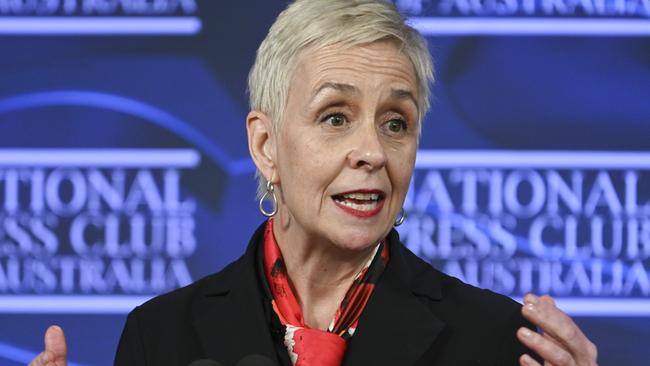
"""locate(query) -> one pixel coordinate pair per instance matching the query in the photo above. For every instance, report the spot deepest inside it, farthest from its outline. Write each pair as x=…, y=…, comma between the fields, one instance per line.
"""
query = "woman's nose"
x=367, y=151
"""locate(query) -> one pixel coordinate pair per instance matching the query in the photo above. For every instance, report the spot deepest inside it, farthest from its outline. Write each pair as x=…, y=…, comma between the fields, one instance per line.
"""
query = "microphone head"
x=256, y=360
x=205, y=363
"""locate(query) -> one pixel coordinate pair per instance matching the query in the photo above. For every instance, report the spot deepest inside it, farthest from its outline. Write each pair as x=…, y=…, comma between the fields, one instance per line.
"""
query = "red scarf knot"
x=314, y=347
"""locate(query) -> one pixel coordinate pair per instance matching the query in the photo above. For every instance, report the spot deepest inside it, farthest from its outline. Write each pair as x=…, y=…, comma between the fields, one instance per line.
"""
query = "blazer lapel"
x=230, y=320
x=396, y=328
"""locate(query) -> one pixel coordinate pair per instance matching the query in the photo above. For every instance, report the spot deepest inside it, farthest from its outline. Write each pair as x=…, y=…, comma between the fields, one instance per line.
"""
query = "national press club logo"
x=528, y=17
x=527, y=8
x=95, y=220
x=100, y=17
x=99, y=207
x=575, y=225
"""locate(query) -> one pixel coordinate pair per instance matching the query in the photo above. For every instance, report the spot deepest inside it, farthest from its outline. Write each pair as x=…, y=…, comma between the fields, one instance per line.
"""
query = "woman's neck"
x=321, y=273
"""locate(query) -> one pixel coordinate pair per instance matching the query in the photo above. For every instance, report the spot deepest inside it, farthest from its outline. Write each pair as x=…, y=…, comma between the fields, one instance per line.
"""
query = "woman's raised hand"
x=561, y=343
x=56, y=349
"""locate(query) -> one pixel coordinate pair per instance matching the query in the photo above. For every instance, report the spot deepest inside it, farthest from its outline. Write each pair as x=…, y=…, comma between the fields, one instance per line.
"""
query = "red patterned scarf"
x=307, y=346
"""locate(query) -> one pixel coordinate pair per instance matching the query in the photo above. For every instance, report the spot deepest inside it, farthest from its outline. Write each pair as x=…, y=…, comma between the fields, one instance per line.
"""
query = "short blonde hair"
x=320, y=23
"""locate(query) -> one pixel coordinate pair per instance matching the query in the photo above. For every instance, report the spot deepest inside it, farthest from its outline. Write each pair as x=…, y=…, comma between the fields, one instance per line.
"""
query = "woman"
x=338, y=91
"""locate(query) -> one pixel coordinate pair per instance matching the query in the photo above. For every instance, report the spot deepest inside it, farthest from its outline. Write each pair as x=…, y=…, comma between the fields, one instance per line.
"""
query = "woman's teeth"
x=362, y=196
x=359, y=201
x=360, y=206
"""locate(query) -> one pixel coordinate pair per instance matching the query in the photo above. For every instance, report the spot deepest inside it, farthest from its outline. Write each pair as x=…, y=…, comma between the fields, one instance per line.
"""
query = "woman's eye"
x=396, y=125
x=335, y=120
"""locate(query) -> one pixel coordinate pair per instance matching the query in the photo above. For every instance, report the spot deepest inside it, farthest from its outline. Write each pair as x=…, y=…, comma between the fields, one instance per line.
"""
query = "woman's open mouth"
x=361, y=203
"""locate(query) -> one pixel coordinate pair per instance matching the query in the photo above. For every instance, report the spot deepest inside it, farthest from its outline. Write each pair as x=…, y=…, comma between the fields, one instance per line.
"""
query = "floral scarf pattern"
x=307, y=346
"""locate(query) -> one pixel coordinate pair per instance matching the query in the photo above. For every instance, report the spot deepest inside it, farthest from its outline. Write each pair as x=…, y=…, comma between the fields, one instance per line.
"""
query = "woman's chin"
x=358, y=240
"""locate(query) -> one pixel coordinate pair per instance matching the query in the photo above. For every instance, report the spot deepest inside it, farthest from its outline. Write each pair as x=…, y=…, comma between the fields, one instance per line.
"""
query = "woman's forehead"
x=345, y=69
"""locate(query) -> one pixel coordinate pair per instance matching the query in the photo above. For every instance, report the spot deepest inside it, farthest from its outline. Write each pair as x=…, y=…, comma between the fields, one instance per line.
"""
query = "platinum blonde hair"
x=311, y=24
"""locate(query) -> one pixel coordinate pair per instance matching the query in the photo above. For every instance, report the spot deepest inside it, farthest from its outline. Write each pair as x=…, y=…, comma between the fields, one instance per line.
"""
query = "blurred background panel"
x=124, y=166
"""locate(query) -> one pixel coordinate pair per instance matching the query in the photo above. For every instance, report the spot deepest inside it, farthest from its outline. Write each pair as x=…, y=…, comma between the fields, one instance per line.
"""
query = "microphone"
x=205, y=362
x=255, y=360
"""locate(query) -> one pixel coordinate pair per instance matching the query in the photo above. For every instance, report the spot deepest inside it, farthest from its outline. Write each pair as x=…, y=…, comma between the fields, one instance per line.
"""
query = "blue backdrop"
x=123, y=157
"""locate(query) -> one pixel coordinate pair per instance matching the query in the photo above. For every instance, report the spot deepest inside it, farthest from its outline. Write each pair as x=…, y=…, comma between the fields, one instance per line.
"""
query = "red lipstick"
x=344, y=201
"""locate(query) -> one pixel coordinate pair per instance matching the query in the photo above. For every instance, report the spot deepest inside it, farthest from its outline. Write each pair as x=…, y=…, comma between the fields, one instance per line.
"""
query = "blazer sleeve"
x=511, y=348
x=130, y=350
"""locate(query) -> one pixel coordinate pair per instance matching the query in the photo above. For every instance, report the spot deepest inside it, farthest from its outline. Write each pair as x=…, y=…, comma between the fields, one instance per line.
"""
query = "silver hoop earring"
x=400, y=219
x=270, y=194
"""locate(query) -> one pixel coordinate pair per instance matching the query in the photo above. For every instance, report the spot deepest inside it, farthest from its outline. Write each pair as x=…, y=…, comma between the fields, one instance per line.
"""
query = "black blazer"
x=416, y=316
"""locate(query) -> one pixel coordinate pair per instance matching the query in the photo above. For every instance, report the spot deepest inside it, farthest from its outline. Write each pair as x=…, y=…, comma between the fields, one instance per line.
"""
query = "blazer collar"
x=231, y=316
x=397, y=327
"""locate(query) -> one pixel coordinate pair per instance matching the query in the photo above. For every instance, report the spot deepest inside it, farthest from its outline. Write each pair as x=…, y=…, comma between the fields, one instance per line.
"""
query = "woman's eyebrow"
x=341, y=87
x=403, y=94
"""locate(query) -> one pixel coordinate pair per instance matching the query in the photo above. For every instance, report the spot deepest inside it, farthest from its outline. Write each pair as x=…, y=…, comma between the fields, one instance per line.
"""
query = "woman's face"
x=346, y=146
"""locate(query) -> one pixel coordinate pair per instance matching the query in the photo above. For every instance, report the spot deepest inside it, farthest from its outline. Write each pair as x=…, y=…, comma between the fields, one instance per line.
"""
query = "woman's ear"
x=261, y=143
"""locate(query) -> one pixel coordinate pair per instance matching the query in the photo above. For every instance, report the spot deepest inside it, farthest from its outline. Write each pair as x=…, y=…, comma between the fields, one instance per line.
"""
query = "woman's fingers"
x=56, y=345
x=563, y=342
x=56, y=349
x=41, y=359
x=543, y=312
x=550, y=351
x=526, y=360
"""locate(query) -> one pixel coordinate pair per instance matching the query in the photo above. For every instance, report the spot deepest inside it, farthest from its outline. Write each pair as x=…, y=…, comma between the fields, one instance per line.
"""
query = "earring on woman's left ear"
x=400, y=218
x=270, y=195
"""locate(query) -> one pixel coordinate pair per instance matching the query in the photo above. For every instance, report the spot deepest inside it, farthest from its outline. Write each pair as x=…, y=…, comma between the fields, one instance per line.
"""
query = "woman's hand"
x=562, y=342
x=56, y=349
